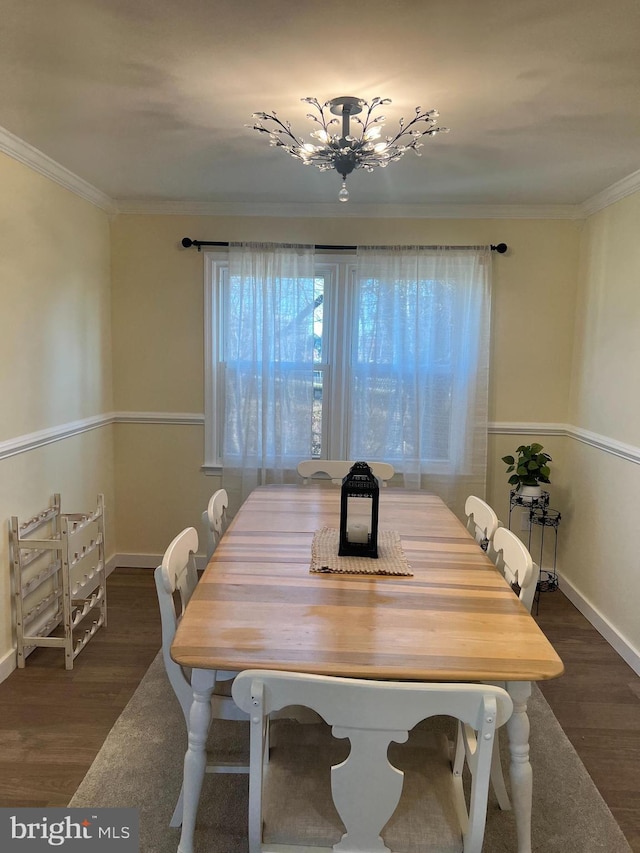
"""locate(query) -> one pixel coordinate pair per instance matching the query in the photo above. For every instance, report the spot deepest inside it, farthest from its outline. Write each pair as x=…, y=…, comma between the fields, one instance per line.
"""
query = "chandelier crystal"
x=338, y=147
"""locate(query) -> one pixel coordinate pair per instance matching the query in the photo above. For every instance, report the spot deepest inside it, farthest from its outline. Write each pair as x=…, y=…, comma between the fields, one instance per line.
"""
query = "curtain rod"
x=187, y=242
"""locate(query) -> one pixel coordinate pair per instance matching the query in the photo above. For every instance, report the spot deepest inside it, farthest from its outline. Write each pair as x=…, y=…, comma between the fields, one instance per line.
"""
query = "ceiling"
x=147, y=100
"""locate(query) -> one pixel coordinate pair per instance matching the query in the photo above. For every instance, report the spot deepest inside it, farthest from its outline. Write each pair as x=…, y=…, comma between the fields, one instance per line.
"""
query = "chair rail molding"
x=33, y=440
x=610, y=445
x=188, y=418
x=527, y=428
x=630, y=452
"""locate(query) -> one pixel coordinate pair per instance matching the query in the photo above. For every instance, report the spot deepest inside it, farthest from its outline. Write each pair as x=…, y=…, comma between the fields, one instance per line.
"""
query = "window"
x=399, y=352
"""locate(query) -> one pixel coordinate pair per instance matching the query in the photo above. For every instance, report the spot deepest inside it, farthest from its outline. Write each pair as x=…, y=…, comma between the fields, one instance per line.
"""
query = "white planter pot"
x=529, y=492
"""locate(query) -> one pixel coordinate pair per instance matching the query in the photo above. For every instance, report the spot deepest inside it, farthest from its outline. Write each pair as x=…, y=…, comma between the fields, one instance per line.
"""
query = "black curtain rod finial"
x=187, y=242
x=501, y=248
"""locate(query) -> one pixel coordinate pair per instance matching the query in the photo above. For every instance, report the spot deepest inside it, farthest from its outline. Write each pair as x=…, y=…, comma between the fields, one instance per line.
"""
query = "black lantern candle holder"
x=359, y=502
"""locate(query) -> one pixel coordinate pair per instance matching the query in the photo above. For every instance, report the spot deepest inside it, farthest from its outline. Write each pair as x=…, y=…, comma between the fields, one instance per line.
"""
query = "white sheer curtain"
x=268, y=365
x=420, y=363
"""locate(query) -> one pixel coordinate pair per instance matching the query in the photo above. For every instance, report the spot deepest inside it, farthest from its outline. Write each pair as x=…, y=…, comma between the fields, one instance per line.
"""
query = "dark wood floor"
x=597, y=702
x=53, y=722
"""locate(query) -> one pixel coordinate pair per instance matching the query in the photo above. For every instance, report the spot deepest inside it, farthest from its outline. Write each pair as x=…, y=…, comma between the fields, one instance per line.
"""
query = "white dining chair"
x=176, y=579
x=215, y=519
x=336, y=469
x=514, y=561
x=361, y=793
x=482, y=522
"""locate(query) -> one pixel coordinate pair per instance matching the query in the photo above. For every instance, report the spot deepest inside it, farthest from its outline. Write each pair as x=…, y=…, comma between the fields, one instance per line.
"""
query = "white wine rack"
x=59, y=579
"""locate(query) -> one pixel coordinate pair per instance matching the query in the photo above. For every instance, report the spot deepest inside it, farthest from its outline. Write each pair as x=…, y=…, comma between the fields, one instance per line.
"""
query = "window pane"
x=318, y=374
x=402, y=371
x=272, y=335
x=318, y=317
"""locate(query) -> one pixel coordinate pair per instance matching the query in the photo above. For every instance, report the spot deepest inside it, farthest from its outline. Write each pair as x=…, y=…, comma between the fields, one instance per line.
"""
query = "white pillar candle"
x=358, y=533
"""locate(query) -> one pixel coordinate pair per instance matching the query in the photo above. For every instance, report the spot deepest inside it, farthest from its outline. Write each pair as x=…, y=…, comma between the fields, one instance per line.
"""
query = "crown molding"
x=20, y=150
x=621, y=189
x=15, y=147
x=361, y=211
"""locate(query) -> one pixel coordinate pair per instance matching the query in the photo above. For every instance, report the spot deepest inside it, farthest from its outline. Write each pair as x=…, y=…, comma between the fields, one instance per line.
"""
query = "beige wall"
x=55, y=351
x=599, y=543
x=565, y=350
x=565, y=312
x=158, y=341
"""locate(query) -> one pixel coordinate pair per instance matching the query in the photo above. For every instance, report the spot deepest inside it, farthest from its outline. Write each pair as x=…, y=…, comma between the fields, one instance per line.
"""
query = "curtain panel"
x=415, y=365
x=268, y=365
x=420, y=366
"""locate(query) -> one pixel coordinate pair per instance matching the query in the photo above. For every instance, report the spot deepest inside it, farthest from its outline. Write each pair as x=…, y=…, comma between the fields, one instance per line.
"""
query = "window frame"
x=215, y=265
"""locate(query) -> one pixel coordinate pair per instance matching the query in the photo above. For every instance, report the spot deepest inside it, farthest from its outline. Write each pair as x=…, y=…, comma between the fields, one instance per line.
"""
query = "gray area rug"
x=140, y=766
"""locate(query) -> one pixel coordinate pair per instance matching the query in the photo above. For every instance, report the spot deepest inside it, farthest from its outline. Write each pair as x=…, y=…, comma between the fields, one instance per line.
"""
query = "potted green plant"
x=529, y=469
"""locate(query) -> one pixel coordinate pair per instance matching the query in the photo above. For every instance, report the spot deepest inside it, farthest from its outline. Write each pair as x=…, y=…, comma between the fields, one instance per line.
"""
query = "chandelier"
x=340, y=148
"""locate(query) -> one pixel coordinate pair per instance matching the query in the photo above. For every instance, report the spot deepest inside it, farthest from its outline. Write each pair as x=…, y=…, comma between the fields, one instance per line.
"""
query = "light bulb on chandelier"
x=343, y=151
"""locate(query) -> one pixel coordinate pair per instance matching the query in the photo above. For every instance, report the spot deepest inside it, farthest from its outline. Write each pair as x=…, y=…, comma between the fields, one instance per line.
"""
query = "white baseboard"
x=7, y=664
x=144, y=561
x=136, y=561
x=621, y=645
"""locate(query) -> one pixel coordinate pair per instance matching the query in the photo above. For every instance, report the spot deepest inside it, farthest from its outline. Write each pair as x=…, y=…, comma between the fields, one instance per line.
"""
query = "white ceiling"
x=148, y=99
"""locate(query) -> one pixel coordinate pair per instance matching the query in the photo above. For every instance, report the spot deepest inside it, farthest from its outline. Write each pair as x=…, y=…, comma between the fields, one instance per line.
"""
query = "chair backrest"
x=371, y=714
x=176, y=578
x=215, y=519
x=515, y=562
x=482, y=522
x=336, y=469
x=494, y=556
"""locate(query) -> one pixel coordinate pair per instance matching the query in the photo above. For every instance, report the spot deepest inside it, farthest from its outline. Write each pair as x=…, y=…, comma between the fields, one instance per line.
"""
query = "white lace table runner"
x=391, y=558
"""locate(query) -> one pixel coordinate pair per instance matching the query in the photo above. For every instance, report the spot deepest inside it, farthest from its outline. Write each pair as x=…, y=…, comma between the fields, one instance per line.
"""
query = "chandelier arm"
x=286, y=128
x=370, y=108
x=405, y=129
x=271, y=131
x=322, y=120
x=325, y=123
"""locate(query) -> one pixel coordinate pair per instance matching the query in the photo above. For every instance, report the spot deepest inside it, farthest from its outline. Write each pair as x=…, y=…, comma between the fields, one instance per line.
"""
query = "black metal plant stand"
x=542, y=516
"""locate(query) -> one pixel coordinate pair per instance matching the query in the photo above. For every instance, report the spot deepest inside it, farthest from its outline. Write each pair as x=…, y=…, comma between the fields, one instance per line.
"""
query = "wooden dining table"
x=455, y=619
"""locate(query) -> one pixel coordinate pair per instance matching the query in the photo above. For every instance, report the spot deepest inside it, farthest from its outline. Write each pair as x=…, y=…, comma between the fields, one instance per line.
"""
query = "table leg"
x=520, y=768
x=195, y=760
